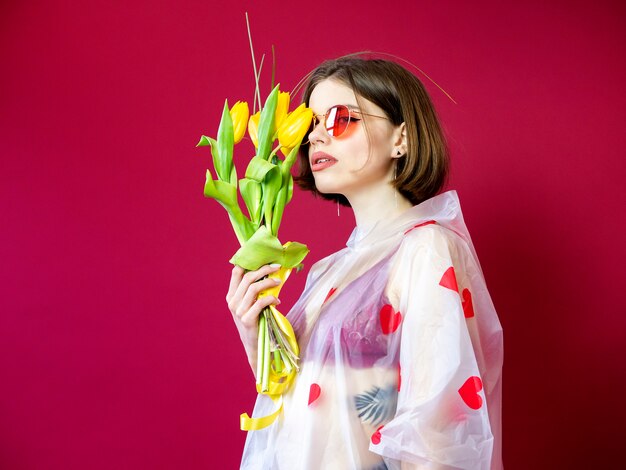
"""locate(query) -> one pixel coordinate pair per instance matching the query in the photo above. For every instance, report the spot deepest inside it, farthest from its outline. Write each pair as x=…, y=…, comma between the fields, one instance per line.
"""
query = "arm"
x=441, y=421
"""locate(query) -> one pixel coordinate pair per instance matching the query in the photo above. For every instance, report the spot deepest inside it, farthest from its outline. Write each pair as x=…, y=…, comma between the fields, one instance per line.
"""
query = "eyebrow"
x=352, y=107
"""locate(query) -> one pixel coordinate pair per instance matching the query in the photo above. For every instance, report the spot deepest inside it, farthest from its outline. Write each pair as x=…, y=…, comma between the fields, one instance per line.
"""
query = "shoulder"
x=430, y=251
x=433, y=253
x=433, y=239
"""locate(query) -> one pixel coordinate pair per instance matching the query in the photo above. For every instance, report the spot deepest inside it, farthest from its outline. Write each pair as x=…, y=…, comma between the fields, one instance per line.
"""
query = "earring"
x=399, y=153
x=395, y=177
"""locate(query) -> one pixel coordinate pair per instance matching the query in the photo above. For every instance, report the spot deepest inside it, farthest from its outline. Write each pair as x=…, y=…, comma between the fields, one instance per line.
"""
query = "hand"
x=245, y=306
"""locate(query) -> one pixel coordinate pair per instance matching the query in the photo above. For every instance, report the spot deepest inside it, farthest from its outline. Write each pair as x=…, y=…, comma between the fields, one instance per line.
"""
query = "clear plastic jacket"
x=401, y=355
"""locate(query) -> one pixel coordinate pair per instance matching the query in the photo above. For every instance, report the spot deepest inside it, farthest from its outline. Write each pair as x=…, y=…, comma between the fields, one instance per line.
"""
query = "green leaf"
x=264, y=248
x=226, y=194
x=258, y=168
x=241, y=225
x=233, y=176
x=271, y=185
x=286, y=171
x=267, y=126
x=204, y=141
x=279, y=208
x=289, y=190
x=252, y=193
x=290, y=159
x=293, y=254
x=225, y=144
x=223, y=192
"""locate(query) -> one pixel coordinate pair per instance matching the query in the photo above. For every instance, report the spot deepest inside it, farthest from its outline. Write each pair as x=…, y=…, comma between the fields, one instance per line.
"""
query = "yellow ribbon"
x=279, y=382
x=254, y=424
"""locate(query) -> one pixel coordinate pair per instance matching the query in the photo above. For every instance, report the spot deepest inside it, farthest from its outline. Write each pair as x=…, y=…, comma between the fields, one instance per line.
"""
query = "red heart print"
x=314, y=392
x=468, y=307
x=469, y=392
x=330, y=294
x=420, y=225
x=448, y=279
x=376, y=436
x=389, y=319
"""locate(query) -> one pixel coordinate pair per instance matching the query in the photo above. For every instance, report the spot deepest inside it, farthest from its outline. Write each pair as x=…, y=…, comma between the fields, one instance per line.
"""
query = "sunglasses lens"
x=337, y=120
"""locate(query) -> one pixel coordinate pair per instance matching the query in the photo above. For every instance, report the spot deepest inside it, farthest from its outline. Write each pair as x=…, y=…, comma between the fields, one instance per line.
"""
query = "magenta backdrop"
x=116, y=347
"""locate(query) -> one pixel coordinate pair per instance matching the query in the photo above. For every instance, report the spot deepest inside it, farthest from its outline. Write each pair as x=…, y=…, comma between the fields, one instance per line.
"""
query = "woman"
x=401, y=348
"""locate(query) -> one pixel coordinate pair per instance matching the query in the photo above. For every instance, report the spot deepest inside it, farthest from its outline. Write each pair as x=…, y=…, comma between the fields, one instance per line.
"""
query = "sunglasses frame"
x=317, y=119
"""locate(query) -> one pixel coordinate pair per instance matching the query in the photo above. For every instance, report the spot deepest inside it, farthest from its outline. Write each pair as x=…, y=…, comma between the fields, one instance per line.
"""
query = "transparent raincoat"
x=401, y=355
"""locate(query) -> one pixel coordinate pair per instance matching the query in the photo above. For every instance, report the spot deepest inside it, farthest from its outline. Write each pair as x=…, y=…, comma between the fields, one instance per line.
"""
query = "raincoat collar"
x=444, y=209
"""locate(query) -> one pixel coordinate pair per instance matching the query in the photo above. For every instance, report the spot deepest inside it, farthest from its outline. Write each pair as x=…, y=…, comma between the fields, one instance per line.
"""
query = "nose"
x=318, y=135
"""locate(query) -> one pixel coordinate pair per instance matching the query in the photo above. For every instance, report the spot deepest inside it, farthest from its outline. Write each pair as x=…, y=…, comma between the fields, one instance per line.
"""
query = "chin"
x=326, y=187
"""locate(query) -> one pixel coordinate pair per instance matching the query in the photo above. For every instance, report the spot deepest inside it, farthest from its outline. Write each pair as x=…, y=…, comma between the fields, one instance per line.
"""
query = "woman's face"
x=351, y=164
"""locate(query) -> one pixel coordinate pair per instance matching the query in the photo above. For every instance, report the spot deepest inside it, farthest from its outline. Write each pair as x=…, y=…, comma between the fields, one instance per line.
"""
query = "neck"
x=384, y=202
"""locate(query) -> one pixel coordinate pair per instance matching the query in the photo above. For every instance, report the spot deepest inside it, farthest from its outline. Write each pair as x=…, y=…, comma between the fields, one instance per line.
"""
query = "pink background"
x=116, y=347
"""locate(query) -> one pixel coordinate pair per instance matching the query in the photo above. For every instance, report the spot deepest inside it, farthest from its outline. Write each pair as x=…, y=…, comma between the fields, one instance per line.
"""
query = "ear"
x=399, y=142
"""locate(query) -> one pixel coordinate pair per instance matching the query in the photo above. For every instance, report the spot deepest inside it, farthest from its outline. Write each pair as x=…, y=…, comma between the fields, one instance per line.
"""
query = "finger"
x=253, y=276
x=235, y=280
x=250, y=318
x=253, y=291
x=242, y=302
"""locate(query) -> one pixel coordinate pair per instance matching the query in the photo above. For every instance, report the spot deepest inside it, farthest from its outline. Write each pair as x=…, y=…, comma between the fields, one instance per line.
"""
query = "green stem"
x=266, y=358
x=241, y=224
x=280, y=340
x=277, y=361
x=260, y=350
x=274, y=150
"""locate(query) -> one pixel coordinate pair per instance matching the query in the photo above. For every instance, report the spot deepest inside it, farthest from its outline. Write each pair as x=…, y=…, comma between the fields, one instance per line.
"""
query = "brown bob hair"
x=423, y=171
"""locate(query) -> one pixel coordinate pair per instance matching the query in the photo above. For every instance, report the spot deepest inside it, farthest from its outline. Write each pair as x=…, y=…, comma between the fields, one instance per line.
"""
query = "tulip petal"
x=295, y=126
x=253, y=128
x=239, y=114
x=282, y=107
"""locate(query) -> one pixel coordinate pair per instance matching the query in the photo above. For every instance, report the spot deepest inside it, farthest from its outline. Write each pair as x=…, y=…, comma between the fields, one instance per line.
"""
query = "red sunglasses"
x=338, y=119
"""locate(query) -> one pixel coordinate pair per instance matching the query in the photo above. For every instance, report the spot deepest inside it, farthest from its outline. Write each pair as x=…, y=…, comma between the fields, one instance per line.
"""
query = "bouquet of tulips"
x=266, y=188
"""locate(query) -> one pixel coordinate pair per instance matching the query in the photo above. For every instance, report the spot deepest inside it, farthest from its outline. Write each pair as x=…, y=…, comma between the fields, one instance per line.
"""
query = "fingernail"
x=277, y=281
x=274, y=265
x=277, y=301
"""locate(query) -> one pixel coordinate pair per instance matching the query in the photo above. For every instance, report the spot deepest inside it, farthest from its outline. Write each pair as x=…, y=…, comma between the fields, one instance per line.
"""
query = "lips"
x=320, y=160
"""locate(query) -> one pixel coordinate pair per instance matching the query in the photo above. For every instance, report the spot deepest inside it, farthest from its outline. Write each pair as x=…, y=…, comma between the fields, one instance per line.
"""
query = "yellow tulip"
x=282, y=107
x=239, y=114
x=295, y=125
x=253, y=127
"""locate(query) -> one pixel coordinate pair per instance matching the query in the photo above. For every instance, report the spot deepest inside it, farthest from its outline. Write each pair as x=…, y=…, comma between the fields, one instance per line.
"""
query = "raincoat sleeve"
x=442, y=420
